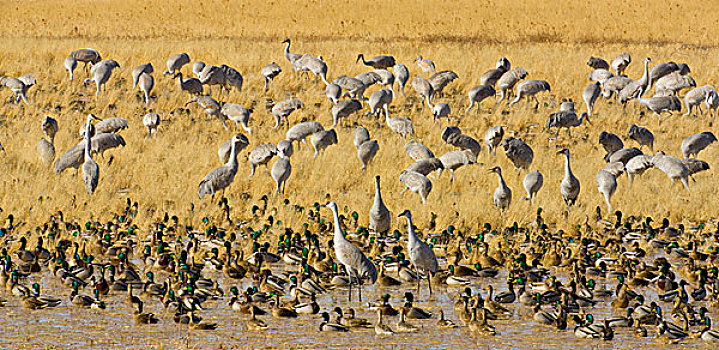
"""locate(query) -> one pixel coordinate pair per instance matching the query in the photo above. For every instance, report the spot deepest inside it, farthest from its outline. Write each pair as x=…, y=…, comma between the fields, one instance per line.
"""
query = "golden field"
x=551, y=40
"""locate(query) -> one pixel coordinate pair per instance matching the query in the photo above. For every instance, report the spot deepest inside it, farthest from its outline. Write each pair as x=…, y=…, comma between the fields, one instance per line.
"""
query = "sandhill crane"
x=453, y=160
x=636, y=88
x=72, y=158
x=532, y=183
x=344, y=109
x=694, y=144
x=146, y=83
x=366, y=151
x=291, y=57
x=623, y=155
x=597, y=63
x=86, y=56
x=368, y=78
x=638, y=165
x=283, y=109
x=333, y=92
x=212, y=75
x=360, y=135
x=425, y=65
x=600, y=75
x=673, y=83
x=567, y=120
x=401, y=74
x=506, y=83
x=300, y=131
x=712, y=102
x=477, y=94
x=90, y=169
x=569, y=187
x=518, y=152
x=616, y=169
x=672, y=167
x=192, y=86
x=377, y=62
x=211, y=107
x=269, y=72
x=502, y=194
x=424, y=89
x=386, y=79
x=355, y=88
x=46, y=151
x=176, y=62
x=49, y=128
x=491, y=76
x=18, y=86
x=417, y=183
x=100, y=74
x=417, y=151
x=197, y=68
x=590, y=95
x=464, y=142
x=621, y=62
x=285, y=149
x=241, y=142
x=323, y=139
x=110, y=125
x=614, y=85
x=426, y=166
x=350, y=256
x=313, y=64
x=440, y=80
x=137, y=71
x=420, y=254
x=695, y=165
x=449, y=130
x=261, y=155
x=606, y=185
x=399, y=125
x=530, y=88
x=660, y=70
x=105, y=141
x=377, y=101
x=439, y=111
x=233, y=78
x=220, y=178
x=695, y=97
x=238, y=114
x=380, y=218
x=642, y=136
x=281, y=171
x=493, y=138
x=610, y=142
x=151, y=122
x=70, y=65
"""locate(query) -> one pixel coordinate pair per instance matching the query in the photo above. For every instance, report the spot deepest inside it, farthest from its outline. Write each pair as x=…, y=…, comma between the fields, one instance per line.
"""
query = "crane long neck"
x=287, y=49
x=362, y=58
x=87, y=139
x=377, y=193
x=567, y=167
x=232, y=162
x=338, y=237
x=412, y=237
x=645, y=77
x=501, y=180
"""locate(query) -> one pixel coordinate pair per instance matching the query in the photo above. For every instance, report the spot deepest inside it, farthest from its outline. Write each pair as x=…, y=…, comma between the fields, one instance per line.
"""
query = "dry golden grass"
x=552, y=41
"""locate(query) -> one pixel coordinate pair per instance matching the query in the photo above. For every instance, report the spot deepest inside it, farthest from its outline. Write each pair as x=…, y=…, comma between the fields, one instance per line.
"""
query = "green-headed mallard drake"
x=308, y=308
x=706, y=333
x=50, y=301
x=412, y=312
x=327, y=326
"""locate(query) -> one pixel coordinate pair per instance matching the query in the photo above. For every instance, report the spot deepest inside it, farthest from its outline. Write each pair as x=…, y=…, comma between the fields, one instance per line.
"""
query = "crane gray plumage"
x=241, y=142
x=449, y=130
x=313, y=64
x=518, y=152
x=616, y=169
x=565, y=119
x=100, y=73
x=109, y=125
x=610, y=142
x=105, y=141
x=380, y=219
x=420, y=254
x=386, y=79
x=636, y=166
x=146, y=83
x=590, y=95
x=211, y=107
x=18, y=87
x=600, y=75
x=283, y=109
x=349, y=255
x=376, y=102
x=354, y=87
x=323, y=139
x=401, y=74
x=491, y=76
x=360, y=135
x=88, y=55
x=238, y=114
x=151, y=121
x=493, y=138
x=417, y=151
x=642, y=136
x=621, y=62
x=399, y=125
x=424, y=89
x=46, y=151
x=261, y=155
x=694, y=98
x=70, y=65
x=425, y=166
x=137, y=71
x=693, y=144
x=465, y=142
x=269, y=72
x=477, y=94
x=291, y=57
x=281, y=171
x=440, y=80
x=453, y=160
x=72, y=158
x=695, y=165
x=197, y=68
x=377, y=62
x=90, y=169
x=439, y=111
x=614, y=85
x=636, y=88
x=344, y=109
x=192, y=86
x=532, y=183
x=508, y=80
x=233, y=78
x=333, y=92
x=530, y=88
x=569, y=187
x=672, y=167
x=606, y=185
x=597, y=63
x=212, y=75
x=367, y=151
x=368, y=78
x=566, y=106
x=285, y=149
x=711, y=101
x=673, y=83
x=300, y=131
x=220, y=178
x=623, y=155
x=176, y=62
x=425, y=65
x=49, y=128
x=660, y=70
x=502, y=194
x=417, y=183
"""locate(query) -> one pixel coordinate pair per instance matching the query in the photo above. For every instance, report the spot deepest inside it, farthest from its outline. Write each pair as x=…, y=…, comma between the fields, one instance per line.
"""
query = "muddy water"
x=71, y=327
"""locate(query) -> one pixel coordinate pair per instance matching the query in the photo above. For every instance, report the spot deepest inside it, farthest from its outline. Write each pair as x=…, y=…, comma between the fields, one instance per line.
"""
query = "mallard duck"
x=144, y=317
x=668, y=334
x=583, y=332
x=639, y=331
x=412, y=312
x=385, y=307
x=386, y=281
x=283, y=312
x=707, y=334
x=49, y=301
x=444, y=323
x=543, y=317
x=493, y=306
x=381, y=328
x=622, y=321
x=507, y=297
x=478, y=324
x=254, y=324
x=32, y=303
x=403, y=326
x=327, y=326
x=194, y=324
x=308, y=308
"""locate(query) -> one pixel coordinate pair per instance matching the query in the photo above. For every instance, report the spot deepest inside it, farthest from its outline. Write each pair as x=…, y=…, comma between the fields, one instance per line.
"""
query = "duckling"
x=412, y=312
x=144, y=318
x=444, y=323
x=404, y=326
x=327, y=326
x=254, y=324
x=381, y=328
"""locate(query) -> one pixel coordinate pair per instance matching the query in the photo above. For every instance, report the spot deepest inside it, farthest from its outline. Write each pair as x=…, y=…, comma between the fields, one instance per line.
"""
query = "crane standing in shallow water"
x=420, y=253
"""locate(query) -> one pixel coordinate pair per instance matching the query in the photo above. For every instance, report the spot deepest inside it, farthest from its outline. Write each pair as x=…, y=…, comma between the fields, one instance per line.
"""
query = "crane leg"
x=418, y=278
x=429, y=282
x=349, y=276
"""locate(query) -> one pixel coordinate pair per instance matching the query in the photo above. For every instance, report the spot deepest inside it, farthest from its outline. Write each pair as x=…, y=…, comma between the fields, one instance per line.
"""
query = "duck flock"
x=660, y=280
